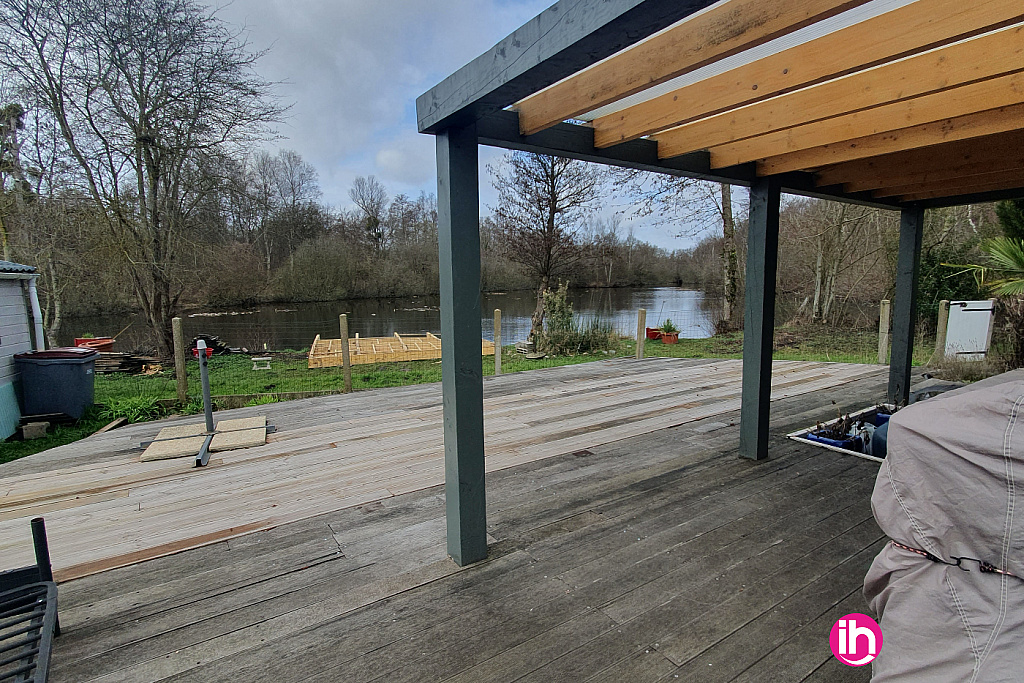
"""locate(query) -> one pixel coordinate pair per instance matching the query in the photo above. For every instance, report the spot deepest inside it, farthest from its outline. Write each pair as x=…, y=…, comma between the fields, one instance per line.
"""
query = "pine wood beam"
x=890, y=169
x=722, y=30
x=912, y=28
x=1009, y=182
x=932, y=119
x=894, y=186
x=983, y=179
x=567, y=37
x=983, y=57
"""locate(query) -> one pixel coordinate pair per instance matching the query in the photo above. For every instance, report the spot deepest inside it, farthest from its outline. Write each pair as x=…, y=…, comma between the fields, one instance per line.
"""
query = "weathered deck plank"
x=116, y=511
x=643, y=559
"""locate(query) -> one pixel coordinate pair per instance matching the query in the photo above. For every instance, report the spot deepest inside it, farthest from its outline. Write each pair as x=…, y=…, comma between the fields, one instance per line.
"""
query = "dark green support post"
x=904, y=310
x=759, y=317
x=458, y=222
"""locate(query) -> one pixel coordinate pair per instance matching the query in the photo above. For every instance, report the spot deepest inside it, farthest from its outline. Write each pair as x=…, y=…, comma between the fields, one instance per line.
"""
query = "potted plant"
x=669, y=332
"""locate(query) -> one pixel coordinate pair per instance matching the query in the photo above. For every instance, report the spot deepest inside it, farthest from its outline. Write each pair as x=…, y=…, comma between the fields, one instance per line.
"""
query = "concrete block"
x=34, y=430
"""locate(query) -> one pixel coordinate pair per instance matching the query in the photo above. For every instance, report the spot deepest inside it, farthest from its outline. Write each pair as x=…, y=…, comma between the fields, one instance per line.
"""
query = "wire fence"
x=269, y=361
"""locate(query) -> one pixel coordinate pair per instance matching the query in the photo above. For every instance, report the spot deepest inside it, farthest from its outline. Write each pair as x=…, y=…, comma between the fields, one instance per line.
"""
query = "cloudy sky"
x=352, y=69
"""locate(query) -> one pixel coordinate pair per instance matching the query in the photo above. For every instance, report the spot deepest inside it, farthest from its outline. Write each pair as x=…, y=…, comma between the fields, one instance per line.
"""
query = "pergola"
x=897, y=104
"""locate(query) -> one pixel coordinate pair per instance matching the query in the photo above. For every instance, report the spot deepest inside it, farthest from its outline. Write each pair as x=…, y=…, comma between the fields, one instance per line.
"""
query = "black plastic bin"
x=57, y=381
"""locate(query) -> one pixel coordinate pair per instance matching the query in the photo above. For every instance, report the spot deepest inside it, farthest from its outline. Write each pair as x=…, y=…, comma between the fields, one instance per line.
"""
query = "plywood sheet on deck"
x=176, y=442
x=348, y=450
x=243, y=432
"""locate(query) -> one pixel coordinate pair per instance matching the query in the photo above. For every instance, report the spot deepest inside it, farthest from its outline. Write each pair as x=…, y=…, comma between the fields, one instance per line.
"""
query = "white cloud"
x=352, y=70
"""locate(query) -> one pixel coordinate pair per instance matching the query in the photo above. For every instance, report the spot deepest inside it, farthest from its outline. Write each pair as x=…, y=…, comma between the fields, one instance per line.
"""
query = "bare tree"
x=372, y=199
x=145, y=93
x=543, y=201
x=298, y=216
x=695, y=206
x=15, y=187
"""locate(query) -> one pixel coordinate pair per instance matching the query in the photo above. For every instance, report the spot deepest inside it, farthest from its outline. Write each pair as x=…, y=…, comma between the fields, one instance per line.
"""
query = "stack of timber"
x=326, y=353
x=109, y=362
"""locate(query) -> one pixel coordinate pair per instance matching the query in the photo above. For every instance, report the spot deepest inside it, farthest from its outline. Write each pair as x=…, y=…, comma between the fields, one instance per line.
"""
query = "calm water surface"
x=294, y=325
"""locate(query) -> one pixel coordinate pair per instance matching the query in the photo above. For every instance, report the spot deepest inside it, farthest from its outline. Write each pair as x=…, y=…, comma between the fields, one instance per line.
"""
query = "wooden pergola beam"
x=973, y=198
x=932, y=119
x=893, y=187
x=921, y=25
x=984, y=179
x=567, y=37
x=501, y=129
x=982, y=57
x=961, y=157
x=1009, y=182
x=723, y=30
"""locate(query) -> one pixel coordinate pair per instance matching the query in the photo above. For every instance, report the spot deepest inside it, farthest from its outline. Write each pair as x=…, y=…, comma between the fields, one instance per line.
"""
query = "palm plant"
x=1003, y=275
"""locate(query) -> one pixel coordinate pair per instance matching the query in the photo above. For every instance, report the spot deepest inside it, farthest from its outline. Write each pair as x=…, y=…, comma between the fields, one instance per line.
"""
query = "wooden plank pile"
x=327, y=353
x=110, y=362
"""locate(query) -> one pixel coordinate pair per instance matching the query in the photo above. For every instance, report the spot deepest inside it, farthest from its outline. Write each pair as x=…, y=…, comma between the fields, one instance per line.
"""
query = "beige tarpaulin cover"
x=952, y=484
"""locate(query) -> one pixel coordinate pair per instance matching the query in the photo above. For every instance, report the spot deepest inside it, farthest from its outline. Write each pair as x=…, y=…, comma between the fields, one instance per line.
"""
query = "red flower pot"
x=669, y=337
x=653, y=333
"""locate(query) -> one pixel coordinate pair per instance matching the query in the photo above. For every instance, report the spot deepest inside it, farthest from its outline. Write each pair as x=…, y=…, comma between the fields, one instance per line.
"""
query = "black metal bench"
x=28, y=620
x=28, y=615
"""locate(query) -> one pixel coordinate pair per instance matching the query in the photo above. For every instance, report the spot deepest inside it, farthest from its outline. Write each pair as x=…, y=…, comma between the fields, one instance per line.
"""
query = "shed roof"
x=889, y=102
x=11, y=267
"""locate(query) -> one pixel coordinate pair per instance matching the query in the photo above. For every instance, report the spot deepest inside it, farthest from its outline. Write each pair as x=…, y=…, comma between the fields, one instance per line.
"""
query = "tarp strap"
x=983, y=566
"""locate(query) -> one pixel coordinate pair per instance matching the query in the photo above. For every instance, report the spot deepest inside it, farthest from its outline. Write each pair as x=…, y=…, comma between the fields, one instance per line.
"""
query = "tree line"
x=128, y=177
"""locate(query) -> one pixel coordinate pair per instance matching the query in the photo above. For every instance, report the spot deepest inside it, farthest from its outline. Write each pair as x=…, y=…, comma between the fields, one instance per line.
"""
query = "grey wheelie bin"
x=57, y=381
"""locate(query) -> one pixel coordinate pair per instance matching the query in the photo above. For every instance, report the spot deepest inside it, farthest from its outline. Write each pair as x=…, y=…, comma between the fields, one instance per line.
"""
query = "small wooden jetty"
x=326, y=353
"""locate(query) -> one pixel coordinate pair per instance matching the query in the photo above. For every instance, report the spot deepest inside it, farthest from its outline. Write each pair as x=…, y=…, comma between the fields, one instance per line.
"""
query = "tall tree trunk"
x=537, y=320
x=819, y=275
x=55, y=310
x=730, y=259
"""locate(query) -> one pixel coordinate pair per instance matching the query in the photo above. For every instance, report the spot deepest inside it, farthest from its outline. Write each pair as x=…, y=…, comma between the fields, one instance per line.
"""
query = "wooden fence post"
x=346, y=363
x=497, y=341
x=940, y=333
x=641, y=332
x=884, y=313
x=179, y=360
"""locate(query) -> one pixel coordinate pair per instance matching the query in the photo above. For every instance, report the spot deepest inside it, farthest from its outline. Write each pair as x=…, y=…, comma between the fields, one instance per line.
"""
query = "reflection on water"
x=294, y=325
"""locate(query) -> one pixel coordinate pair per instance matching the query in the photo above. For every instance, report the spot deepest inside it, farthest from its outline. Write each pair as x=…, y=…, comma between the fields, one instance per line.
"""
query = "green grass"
x=58, y=436
x=134, y=396
x=809, y=343
x=233, y=375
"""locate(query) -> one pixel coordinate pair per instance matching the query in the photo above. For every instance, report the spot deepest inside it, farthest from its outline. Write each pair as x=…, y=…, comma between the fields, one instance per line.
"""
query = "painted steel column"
x=759, y=317
x=904, y=315
x=458, y=225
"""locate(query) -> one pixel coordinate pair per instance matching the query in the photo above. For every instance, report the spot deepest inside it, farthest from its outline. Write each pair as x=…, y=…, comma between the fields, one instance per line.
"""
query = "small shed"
x=21, y=330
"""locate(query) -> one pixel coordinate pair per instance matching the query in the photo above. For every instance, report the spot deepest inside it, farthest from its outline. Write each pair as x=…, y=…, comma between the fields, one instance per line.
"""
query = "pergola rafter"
x=896, y=83
x=899, y=104
x=885, y=38
x=723, y=30
x=892, y=138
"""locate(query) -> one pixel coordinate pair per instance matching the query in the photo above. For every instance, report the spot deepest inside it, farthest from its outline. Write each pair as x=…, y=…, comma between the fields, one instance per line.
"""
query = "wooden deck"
x=105, y=508
x=657, y=557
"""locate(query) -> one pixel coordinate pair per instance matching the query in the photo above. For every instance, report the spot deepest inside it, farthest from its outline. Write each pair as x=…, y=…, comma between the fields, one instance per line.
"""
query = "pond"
x=281, y=326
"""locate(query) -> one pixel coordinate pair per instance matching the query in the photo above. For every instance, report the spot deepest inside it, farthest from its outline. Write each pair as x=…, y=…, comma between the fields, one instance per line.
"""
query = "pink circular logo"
x=856, y=639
